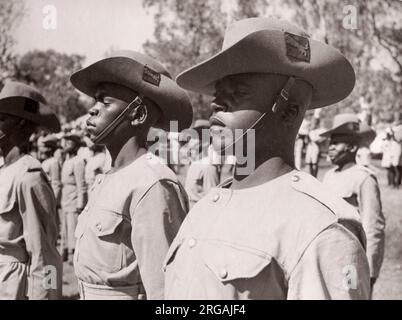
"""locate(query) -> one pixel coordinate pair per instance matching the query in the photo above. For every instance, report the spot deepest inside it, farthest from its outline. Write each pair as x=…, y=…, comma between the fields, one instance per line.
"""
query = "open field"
x=389, y=284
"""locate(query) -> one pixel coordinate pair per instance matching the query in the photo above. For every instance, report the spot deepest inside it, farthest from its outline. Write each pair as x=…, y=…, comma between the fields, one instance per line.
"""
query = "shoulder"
x=312, y=191
x=156, y=169
x=31, y=172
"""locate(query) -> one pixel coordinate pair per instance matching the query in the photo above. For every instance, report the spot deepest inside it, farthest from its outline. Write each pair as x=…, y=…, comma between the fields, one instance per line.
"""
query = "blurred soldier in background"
x=357, y=185
x=52, y=165
x=73, y=195
x=28, y=229
x=203, y=173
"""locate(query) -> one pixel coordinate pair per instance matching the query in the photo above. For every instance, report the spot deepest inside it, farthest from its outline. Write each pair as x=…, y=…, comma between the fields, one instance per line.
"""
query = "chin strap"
x=111, y=126
x=282, y=97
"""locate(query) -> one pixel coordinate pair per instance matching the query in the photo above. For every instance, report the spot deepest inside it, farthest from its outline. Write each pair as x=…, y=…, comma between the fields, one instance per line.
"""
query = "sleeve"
x=334, y=266
x=373, y=222
x=55, y=178
x=79, y=174
x=155, y=222
x=38, y=211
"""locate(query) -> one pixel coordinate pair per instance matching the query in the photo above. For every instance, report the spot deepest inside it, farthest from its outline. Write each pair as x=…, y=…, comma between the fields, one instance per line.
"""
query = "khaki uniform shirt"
x=279, y=240
x=359, y=187
x=28, y=233
x=74, y=191
x=52, y=169
x=124, y=232
x=201, y=177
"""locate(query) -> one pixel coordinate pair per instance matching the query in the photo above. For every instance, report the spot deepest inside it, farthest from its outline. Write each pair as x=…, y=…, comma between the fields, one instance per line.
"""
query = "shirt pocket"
x=101, y=243
x=233, y=263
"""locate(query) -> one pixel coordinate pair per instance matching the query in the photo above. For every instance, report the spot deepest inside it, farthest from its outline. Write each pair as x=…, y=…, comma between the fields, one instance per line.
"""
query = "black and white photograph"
x=188, y=151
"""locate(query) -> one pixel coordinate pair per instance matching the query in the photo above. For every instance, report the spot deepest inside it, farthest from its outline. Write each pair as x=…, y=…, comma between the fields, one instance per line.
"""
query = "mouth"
x=216, y=124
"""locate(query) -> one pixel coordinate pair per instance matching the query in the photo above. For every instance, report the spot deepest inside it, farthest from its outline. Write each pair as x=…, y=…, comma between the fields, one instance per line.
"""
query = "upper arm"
x=334, y=266
x=156, y=220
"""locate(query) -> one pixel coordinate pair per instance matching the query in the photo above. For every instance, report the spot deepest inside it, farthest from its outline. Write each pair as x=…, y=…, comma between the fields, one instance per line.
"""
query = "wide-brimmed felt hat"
x=50, y=141
x=24, y=101
x=143, y=75
x=348, y=124
x=267, y=45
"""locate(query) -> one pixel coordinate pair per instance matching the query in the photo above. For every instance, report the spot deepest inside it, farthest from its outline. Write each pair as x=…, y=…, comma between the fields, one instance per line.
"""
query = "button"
x=192, y=242
x=295, y=178
x=99, y=226
x=223, y=273
x=216, y=197
x=86, y=209
x=99, y=181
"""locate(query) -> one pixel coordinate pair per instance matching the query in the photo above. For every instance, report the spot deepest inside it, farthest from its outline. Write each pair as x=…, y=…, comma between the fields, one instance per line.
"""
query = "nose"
x=94, y=111
x=217, y=107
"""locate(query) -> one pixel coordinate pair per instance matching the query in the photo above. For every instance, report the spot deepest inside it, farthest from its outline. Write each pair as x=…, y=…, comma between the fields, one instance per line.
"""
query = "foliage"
x=11, y=12
x=50, y=72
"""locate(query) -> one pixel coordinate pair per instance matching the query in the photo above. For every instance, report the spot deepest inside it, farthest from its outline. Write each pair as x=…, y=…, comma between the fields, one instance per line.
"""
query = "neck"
x=267, y=168
x=125, y=154
x=11, y=154
x=345, y=165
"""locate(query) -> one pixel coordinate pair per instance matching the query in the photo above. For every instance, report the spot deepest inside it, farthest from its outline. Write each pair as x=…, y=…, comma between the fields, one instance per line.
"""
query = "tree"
x=50, y=72
x=11, y=12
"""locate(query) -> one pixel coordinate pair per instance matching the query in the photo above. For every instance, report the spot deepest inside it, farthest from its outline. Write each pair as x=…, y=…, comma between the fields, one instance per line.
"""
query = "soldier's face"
x=340, y=150
x=111, y=100
x=8, y=125
x=240, y=100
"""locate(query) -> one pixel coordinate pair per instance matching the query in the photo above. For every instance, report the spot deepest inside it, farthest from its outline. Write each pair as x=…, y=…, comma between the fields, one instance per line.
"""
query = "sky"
x=87, y=27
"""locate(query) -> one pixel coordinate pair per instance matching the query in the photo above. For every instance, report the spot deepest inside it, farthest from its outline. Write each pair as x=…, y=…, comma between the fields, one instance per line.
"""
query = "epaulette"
x=346, y=214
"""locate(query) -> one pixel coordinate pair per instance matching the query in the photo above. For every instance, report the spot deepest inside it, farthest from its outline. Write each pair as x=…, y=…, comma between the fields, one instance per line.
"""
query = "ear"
x=290, y=113
x=353, y=147
x=21, y=123
x=139, y=115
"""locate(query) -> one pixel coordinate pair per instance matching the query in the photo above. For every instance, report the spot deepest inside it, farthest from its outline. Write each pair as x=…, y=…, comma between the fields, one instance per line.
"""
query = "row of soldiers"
x=270, y=231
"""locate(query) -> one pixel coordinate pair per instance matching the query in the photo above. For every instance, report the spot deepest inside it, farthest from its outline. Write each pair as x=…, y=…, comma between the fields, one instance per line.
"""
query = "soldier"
x=30, y=266
x=74, y=193
x=52, y=166
x=135, y=209
x=203, y=173
x=357, y=185
x=272, y=232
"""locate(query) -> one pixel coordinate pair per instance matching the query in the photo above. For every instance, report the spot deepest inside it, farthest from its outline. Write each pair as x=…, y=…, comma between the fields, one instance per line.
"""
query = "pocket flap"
x=229, y=262
x=105, y=223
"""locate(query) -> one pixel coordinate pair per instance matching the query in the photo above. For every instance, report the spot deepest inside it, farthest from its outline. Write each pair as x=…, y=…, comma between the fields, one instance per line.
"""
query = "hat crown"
x=14, y=89
x=345, y=119
x=241, y=29
x=143, y=59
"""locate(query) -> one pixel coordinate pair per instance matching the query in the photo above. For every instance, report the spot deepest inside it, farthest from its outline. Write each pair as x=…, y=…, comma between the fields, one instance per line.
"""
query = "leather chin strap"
x=111, y=126
x=282, y=97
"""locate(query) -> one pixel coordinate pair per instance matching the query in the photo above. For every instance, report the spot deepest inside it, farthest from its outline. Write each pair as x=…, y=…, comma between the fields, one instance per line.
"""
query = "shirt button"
x=295, y=178
x=223, y=273
x=192, y=242
x=216, y=197
x=99, y=226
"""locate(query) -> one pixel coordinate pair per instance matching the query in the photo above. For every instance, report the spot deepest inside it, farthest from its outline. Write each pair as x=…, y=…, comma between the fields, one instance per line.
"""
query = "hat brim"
x=365, y=136
x=174, y=102
x=328, y=71
x=45, y=118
